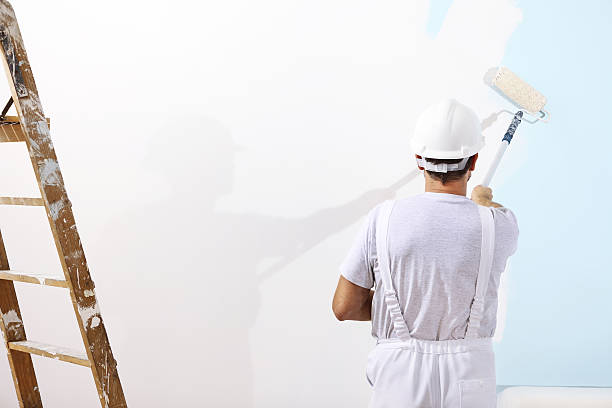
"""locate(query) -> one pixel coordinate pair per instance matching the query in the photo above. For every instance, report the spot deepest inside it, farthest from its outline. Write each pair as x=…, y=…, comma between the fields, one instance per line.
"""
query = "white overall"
x=405, y=372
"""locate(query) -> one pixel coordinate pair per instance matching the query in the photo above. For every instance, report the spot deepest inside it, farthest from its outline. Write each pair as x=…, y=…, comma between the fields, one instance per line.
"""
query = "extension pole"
x=502, y=148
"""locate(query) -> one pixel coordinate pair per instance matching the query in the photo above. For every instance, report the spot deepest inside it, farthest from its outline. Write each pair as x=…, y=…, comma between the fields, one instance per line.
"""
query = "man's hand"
x=484, y=196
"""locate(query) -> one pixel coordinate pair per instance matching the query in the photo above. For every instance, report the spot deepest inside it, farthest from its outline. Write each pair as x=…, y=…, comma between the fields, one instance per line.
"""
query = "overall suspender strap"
x=384, y=267
x=487, y=248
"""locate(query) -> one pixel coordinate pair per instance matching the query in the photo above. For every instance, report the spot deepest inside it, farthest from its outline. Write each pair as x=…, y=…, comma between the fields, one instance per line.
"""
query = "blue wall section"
x=437, y=13
x=559, y=324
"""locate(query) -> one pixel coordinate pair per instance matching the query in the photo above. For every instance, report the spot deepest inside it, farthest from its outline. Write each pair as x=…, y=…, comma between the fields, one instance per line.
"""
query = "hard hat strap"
x=442, y=167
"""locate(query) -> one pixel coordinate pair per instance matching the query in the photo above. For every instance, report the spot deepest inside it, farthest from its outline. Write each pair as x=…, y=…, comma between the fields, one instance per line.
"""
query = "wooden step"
x=37, y=201
x=50, y=351
x=34, y=278
x=11, y=131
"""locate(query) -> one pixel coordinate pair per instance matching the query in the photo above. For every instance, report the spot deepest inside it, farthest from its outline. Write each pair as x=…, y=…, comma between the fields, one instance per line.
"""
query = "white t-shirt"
x=434, y=249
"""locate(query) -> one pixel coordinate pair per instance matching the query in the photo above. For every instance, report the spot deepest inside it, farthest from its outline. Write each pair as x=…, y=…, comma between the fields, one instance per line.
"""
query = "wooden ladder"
x=32, y=127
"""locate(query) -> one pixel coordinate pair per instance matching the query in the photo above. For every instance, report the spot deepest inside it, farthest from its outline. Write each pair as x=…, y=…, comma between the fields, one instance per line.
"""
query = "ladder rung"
x=48, y=350
x=12, y=131
x=21, y=201
x=34, y=278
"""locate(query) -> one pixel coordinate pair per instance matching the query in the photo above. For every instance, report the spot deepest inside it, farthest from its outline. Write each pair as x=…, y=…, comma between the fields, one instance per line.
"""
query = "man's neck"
x=458, y=187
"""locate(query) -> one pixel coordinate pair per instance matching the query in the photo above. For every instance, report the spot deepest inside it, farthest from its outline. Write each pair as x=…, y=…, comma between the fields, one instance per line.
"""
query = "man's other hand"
x=482, y=195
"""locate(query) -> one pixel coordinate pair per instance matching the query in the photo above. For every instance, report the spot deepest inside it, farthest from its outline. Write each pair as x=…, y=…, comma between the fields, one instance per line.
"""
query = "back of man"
x=434, y=261
x=434, y=251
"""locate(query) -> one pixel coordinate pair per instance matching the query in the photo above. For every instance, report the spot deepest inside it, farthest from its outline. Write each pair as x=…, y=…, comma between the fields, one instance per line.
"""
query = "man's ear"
x=419, y=157
x=473, y=166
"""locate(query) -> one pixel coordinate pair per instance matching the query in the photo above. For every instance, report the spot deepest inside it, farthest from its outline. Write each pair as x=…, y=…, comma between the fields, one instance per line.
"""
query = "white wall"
x=215, y=268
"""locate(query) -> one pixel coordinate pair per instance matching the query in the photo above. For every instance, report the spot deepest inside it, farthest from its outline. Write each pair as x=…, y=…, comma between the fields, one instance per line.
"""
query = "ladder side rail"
x=11, y=323
x=59, y=211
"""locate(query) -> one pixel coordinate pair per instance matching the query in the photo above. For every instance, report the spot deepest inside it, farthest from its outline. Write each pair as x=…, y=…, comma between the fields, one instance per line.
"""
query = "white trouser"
x=432, y=374
x=405, y=372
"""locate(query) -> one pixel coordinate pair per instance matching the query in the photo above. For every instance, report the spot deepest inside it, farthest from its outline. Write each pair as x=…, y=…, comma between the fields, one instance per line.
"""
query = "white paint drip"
x=42, y=126
x=55, y=208
x=95, y=322
x=11, y=317
x=31, y=105
x=34, y=148
x=87, y=314
x=107, y=383
x=49, y=172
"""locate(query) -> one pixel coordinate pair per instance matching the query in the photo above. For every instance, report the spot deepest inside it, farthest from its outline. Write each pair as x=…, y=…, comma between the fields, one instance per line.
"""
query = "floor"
x=557, y=397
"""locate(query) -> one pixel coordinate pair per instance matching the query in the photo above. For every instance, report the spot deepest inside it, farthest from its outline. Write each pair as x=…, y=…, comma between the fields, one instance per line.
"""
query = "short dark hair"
x=451, y=175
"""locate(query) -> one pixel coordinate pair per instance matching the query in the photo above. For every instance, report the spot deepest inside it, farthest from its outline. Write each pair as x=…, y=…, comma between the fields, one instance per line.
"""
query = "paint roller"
x=528, y=100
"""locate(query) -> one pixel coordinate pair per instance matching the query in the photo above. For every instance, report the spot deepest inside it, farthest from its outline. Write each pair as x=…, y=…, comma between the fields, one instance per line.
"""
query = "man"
x=434, y=306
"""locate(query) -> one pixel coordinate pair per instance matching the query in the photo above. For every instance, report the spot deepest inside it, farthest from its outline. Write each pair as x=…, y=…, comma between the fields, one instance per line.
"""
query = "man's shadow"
x=187, y=273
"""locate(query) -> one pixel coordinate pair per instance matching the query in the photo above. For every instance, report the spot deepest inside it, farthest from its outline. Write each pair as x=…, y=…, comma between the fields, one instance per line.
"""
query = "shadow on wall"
x=186, y=273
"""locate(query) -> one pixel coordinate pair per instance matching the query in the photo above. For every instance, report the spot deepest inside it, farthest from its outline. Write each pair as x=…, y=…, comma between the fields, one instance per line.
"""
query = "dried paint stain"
x=49, y=172
x=55, y=208
x=95, y=322
x=88, y=313
x=11, y=317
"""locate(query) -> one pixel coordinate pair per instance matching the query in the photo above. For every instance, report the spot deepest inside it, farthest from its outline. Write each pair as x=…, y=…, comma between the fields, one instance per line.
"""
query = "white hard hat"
x=447, y=130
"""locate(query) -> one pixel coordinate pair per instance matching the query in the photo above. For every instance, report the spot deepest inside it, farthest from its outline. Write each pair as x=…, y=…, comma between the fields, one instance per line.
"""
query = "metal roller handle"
x=518, y=116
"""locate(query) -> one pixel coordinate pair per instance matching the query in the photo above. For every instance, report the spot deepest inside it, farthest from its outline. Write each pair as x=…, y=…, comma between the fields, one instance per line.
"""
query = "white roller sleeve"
x=498, y=156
